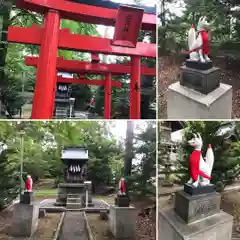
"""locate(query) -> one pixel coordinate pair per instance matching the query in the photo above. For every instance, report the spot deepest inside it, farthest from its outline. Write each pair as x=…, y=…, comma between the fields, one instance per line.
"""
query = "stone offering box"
x=71, y=192
x=196, y=215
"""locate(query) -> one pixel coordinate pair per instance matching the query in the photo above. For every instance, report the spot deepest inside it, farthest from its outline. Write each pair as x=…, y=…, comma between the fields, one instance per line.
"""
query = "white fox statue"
x=200, y=169
x=199, y=47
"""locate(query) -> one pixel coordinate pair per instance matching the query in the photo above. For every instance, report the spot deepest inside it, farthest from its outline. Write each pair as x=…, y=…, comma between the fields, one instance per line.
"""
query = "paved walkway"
x=73, y=227
x=49, y=202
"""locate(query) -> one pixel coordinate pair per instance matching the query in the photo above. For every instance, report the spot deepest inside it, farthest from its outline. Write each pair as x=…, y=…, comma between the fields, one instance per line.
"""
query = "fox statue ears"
x=202, y=19
x=202, y=23
x=197, y=136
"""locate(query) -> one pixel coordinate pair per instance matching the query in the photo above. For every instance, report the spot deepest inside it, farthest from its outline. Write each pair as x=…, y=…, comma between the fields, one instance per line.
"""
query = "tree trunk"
x=128, y=149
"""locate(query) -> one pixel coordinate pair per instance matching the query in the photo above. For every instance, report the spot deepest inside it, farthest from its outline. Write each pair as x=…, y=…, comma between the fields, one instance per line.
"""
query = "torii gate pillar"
x=135, y=97
x=46, y=70
x=107, y=97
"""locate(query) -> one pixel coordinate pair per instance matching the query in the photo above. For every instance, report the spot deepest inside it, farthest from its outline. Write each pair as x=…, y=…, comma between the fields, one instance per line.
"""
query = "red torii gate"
x=94, y=67
x=81, y=68
x=50, y=38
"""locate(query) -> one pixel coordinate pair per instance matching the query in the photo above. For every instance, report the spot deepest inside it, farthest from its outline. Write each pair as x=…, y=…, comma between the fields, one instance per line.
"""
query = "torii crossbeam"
x=80, y=67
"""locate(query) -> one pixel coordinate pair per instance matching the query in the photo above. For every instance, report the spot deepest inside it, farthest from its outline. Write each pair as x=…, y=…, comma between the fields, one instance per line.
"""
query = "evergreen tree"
x=226, y=153
x=9, y=187
x=144, y=172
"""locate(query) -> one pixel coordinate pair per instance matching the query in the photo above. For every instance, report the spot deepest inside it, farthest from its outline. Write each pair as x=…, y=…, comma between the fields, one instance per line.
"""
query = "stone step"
x=74, y=206
x=74, y=195
x=74, y=200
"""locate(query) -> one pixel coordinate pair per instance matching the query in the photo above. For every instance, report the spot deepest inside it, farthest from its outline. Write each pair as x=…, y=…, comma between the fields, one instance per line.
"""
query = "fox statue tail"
x=191, y=37
x=209, y=157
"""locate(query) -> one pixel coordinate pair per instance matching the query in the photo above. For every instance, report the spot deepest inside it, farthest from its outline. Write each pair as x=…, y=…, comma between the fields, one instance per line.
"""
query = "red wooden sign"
x=128, y=25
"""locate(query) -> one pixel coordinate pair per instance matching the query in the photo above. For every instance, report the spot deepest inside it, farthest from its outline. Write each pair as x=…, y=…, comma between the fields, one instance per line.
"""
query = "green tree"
x=144, y=170
x=9, y=181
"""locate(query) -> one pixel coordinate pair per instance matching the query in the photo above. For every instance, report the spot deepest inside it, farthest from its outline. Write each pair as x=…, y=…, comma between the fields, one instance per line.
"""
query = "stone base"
x=190, y=189
x=193, y=208
x=25, y=220
x=122, y=222
x=203, y=81
x=185, y=103
x=216, y=227
x=198, y=65
x=69, y=190
x=122, y=201
x=26, y=198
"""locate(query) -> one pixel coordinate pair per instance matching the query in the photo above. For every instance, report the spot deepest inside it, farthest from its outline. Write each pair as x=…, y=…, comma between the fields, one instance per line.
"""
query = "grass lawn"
x=46, y=193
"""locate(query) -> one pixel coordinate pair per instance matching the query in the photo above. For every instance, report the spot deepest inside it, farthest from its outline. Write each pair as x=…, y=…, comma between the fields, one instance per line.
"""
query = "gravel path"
x=73, y=227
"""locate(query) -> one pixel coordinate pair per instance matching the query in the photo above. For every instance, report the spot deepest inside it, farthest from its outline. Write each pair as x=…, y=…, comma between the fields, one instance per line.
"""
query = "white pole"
x=70, y=114
x=86, y=197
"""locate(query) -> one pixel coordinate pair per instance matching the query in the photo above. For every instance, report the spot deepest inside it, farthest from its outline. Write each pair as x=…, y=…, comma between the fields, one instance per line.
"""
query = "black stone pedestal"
x=26, y=198
x=203, y=81
x=122, y=201
x=198, y=65
x=196, y=207
x=188, y=188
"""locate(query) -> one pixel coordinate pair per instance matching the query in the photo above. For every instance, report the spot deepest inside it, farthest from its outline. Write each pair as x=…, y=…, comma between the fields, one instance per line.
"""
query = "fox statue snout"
x=200, y=169
x=196, y=141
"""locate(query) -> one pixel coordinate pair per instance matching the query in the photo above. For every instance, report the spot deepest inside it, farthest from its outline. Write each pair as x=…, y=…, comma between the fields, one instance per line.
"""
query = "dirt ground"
x=146, y=223
x=169, y=72
x=231, y=204
x=46, y=226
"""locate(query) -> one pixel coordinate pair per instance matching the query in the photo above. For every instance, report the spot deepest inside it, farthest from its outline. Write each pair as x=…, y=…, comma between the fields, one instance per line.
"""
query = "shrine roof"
x=74, y=154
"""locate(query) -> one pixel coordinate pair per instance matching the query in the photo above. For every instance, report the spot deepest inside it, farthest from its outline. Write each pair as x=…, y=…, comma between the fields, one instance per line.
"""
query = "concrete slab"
x=185, y=103
x=215, y=227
